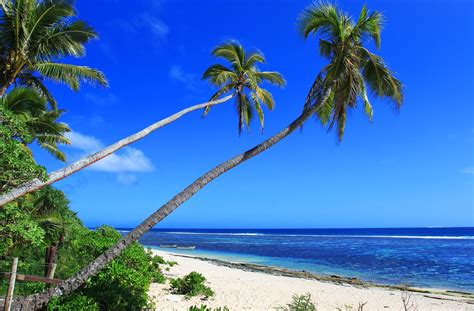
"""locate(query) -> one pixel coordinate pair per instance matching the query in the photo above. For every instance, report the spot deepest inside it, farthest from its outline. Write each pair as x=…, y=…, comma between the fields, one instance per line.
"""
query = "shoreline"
x=222, y=272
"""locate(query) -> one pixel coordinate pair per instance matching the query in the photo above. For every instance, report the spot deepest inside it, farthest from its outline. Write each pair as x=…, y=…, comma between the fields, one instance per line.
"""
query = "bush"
x=191, y=285
x=206, y=308
x=301, y=303
x=172, y=263
x=73, y=303
x=121, y=285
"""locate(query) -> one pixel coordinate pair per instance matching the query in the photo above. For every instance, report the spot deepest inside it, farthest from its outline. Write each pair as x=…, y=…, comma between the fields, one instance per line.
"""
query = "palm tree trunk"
x=37, y=184
x=9, y=81
x=4, y=87
x=68, y=286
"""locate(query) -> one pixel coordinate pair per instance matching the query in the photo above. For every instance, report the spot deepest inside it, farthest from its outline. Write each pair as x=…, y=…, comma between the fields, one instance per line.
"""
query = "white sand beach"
x=244, y=290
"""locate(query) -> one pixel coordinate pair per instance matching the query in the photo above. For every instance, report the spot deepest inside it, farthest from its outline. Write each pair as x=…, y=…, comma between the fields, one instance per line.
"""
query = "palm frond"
x=23, y=100
x=63, y=41
x=231, y=51
x=320, y=17
x=368, y=25
x=216, y=95
x=219, y=74
x=36, y=83
x=258, y=108
x=53, y=150
x=381, y=80
x=71, y=75
x=265, y=97
x=252, y=59
x=271, y=76
x=326, y=48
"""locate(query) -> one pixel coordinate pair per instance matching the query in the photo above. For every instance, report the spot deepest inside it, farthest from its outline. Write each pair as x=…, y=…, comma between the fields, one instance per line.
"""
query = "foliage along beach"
x=100, y=269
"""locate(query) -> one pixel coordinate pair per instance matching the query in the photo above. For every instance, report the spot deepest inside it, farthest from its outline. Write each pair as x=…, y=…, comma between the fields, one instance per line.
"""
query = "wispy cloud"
x=84, y=142
x=127, y=179
x=155, y=25
x=124, y=163
x=102, y=99
x=468, y=170
x=149, y=22
x=189, y=80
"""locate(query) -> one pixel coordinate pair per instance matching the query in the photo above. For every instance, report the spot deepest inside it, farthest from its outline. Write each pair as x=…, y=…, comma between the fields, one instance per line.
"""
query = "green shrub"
x=73, y=303
x=191, y=285
x=206, y=308
x=300, y=303
x=121, y=285
x=172, y=263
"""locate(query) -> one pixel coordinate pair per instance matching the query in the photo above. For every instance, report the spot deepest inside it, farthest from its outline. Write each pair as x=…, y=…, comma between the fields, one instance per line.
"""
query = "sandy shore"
x=239, y=287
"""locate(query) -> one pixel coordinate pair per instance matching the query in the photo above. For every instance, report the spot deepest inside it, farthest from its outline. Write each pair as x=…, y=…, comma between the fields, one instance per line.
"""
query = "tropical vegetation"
x=101, y=269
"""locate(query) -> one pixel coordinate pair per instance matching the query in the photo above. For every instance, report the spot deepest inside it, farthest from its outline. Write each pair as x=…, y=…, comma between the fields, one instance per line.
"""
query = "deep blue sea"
x=426, y=257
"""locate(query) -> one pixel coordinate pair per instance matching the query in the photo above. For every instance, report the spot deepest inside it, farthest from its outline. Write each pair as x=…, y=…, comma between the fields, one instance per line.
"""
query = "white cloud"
x=129, y=160
x=468, y=170
x=84, y=142
x=189, y=80
x=124, y=162
x=155, y=25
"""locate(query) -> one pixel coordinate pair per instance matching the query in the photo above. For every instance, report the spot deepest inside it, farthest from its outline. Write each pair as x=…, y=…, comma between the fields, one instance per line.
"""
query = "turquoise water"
x=426, y=257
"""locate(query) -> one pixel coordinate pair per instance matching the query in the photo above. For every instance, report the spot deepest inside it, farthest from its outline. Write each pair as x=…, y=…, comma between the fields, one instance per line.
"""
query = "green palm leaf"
x=71, y=75
x=42, y=124
x=34, y=36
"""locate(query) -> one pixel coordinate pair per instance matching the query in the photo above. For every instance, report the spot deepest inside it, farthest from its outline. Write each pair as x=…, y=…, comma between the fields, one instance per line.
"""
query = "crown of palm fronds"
x=352, y=70
x=34, y=35
x=41, y=123
x=243, y=78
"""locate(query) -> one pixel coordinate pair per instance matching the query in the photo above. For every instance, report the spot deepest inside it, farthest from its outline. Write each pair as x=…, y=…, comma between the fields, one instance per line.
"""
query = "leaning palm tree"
x=244, y=79
x=34, y=35
x=41, y=124
x=322, y=92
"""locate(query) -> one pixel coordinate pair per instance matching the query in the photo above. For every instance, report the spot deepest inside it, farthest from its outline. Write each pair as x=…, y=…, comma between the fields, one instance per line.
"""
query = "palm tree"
x=33, y=36
x=320, y=94
x=41, y=124
x=352, y=68
x=243, y=78
x=242, y=81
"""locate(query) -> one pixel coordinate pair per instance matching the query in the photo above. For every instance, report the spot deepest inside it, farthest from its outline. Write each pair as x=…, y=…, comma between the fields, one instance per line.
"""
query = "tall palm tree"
x=41, y=123
x=243, y=81
x=243, y=78
x=321, y=93
x=34, y=35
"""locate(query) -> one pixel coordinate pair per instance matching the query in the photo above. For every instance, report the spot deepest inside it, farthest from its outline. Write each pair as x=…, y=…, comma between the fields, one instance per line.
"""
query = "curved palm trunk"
x=37, y=184
x=74, y=282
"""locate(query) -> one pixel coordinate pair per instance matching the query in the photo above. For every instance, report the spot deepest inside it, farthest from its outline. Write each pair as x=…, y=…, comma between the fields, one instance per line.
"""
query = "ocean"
x=424, y=257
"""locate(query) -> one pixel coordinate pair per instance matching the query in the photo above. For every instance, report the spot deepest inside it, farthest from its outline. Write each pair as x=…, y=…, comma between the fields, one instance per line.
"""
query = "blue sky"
x=411, y=169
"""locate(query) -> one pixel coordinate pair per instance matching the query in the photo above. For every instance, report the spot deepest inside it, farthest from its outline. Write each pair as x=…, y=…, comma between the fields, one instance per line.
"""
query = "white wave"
x=215, y=233
x=440, y=237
